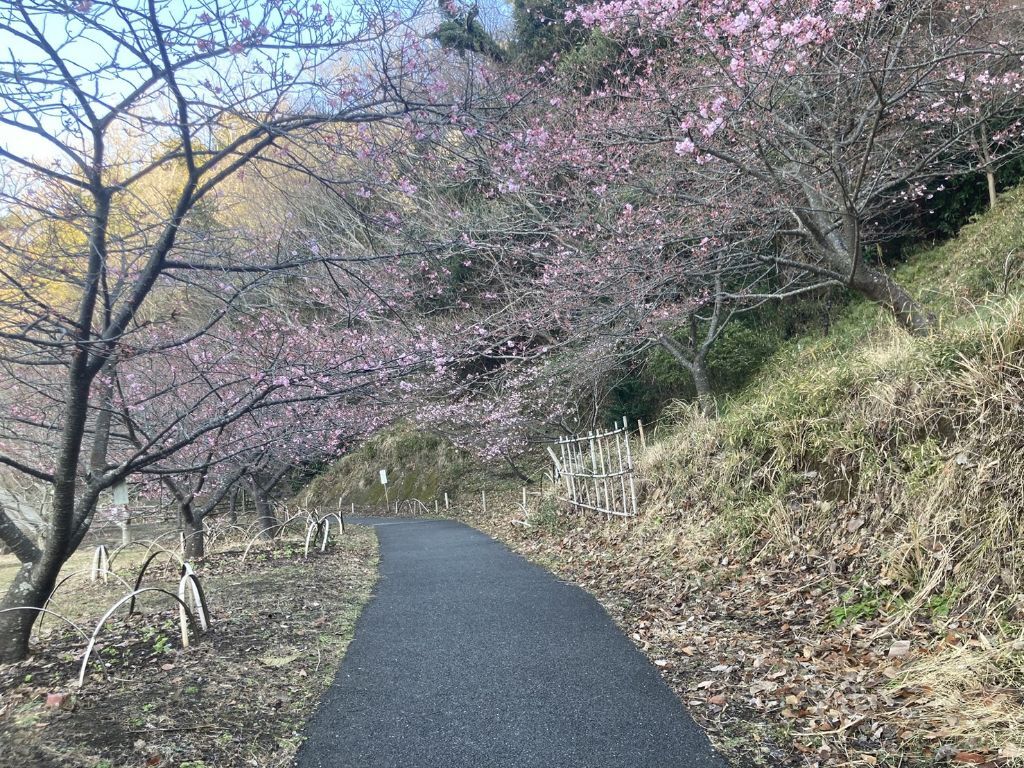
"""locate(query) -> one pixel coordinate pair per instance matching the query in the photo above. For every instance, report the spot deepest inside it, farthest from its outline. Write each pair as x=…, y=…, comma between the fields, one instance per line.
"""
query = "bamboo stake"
x=629, y=466
x=571, y=474
x=622, y=476
x=604, y=473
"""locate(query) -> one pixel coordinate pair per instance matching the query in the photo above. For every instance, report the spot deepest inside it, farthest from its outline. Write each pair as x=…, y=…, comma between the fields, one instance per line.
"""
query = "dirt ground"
x=237, y=697
x=776, y=671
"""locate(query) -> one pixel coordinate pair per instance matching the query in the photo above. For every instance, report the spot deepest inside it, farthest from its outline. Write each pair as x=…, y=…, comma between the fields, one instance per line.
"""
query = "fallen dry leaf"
x=899, y=648
x=970, y=757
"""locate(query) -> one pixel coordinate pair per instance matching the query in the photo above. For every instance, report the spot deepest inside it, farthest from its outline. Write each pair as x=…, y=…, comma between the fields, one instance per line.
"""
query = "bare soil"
x=238, y=697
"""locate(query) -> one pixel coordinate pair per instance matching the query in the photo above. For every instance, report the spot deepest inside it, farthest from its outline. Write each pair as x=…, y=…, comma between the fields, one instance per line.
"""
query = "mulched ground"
x=773, y=663
x=239, y=697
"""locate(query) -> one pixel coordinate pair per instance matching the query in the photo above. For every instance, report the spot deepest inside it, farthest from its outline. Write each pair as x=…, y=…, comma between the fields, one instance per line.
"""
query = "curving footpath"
x=468, y=656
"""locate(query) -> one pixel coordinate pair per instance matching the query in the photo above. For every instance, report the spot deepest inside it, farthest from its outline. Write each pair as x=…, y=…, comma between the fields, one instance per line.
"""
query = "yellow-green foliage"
x=901, y=457
x=419, y=465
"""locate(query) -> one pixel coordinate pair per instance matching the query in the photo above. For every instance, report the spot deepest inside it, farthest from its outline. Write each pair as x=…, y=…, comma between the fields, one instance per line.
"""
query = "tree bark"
x=16, y=626
x=702, y=383
x=697, y=366
x=268, y=521
x=883, y=290
x=195, y=535
x=841, y=251
x=31, y=587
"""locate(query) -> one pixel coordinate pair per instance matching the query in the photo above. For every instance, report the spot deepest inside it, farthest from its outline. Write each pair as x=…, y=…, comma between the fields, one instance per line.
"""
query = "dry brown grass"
x=867, y=489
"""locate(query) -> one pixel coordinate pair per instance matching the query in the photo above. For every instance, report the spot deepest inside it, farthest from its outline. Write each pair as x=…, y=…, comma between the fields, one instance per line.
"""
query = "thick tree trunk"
x=882, y=289
x=697, y=366
x=30, y=588
x=37, y=576
x=195, y=535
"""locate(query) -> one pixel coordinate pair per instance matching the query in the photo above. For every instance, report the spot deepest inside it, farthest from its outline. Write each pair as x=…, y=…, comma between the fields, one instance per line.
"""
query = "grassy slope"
x=867, y=488
x=915, y=445
x=419, y=466
x=890, y=470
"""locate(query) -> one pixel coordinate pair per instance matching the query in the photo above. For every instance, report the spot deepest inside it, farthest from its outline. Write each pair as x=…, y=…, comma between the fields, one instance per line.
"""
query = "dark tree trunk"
x=883, y=290
x=517, y=471
x=31, y=586
x=697, y=366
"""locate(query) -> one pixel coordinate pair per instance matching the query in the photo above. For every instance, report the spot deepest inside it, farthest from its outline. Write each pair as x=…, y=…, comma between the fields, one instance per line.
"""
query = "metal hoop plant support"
x=326, y=519
x=145, y=565
x=414, y=505
x=100, y=563
x=90, y=571
x=189, y=620
x=314, y=531
x=216, y=535
x=165, y=535
x=149, y=546
x=118, y=550
x=305, y=517
x=255, y=538
x=46, y=611
x=199, y=604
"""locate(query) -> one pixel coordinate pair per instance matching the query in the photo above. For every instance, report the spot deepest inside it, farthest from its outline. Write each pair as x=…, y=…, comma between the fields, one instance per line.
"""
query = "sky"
x=84, y=52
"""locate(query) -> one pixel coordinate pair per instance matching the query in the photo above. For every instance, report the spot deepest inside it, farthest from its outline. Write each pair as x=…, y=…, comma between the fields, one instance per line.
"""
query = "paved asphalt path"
x=468, y=656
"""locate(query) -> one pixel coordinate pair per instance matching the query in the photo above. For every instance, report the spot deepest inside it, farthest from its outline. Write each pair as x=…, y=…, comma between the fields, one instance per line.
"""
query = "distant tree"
x=461, y=30
x=541, y=33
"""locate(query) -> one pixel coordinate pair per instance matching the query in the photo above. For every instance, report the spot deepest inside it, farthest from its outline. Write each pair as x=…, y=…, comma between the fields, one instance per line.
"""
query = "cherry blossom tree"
x=293, y=384
x=124, y=125
x=816, y=119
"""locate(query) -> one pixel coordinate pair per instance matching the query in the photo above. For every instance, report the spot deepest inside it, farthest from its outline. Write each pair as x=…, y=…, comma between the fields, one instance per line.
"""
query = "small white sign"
x=121, y=494
x=383, y=477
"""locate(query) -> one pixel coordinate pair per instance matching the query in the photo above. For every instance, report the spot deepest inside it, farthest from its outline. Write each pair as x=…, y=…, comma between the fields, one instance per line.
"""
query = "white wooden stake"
x=629, y=466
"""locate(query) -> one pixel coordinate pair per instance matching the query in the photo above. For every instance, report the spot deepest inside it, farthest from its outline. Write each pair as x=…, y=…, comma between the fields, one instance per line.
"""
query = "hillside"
x=829, y=572
x=419, y=466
